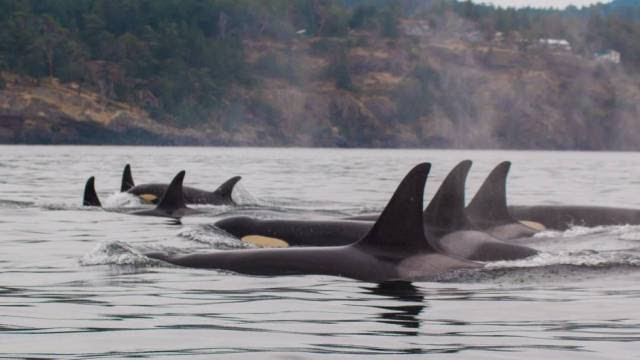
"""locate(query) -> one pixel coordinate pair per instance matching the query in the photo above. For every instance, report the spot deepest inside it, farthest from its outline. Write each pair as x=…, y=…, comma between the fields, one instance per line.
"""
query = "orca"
x=171, y=203
x=153, y=191
x=296, y=232
x=562, y=217
x=488, y=211
x=394, y=249
x=444, y=220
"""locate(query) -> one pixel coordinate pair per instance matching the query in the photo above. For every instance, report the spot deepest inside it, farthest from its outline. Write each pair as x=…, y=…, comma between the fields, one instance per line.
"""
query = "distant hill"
x=627, y=9
x=405, y=73
x=624, y=3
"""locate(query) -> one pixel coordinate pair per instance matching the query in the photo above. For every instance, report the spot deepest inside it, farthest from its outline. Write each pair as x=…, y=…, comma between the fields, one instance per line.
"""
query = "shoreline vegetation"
x=320, y=73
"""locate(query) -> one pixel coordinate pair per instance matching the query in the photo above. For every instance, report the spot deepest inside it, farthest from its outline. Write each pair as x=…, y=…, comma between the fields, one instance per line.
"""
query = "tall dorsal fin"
x=127, y=179
x=226, y=188
x=90, y=197
x=489, y=205
x=173, y=197
x=446, y=210
x=400, y=224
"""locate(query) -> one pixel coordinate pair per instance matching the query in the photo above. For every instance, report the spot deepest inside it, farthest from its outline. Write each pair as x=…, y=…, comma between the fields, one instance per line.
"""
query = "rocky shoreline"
x=479, y=98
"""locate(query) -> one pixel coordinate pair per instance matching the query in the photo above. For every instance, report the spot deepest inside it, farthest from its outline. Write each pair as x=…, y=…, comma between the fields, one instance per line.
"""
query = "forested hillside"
x=414, y=73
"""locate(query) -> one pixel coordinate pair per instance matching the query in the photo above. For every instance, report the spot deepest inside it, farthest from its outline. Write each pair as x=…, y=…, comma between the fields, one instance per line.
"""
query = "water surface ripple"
x=73, y=282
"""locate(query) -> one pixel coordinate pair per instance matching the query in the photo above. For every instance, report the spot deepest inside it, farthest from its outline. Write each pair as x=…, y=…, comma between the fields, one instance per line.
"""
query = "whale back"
x=127, y=179
x=399, y=227
x=446, y=211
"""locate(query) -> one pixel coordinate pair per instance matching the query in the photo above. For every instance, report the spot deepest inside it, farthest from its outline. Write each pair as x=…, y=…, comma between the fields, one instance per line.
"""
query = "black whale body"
x=395, y=248
x=154, y=191
x=171, y=203
x=191, y=195
x=444, y=221
x=488, y=210
x=562, y=217
x=298, y=232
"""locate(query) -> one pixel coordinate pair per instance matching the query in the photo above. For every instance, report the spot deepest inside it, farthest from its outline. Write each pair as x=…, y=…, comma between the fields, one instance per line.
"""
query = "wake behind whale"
x=549, y=266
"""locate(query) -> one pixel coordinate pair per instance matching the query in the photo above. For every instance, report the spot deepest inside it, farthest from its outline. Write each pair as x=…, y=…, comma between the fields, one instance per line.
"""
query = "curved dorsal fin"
x=226, y=188
x=489, y=206
x=173, y=197
x=127, y=179
x=90, y=197
x=446, y=210
x=400, y=224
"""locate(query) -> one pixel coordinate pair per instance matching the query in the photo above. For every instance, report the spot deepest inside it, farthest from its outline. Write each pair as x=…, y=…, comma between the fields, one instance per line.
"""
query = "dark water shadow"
x=404, y=315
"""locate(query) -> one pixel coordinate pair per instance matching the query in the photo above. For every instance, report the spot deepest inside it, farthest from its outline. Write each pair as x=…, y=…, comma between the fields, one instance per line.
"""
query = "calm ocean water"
x=74, y=285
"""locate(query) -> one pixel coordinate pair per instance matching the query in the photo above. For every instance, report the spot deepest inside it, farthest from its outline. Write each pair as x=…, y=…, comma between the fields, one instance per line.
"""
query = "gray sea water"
x=74, y=285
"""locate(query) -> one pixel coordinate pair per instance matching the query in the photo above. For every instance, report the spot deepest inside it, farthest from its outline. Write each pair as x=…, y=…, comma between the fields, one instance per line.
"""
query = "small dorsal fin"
x=173, y=197
x=400, y=224
x=127, y=179
x=446, y=210
x=489, y=205
x=226, y=188
x=90, y=196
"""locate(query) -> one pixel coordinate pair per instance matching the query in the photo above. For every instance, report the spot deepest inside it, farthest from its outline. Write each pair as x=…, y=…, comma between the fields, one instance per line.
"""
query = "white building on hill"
x=556, y=44
x=608, y=56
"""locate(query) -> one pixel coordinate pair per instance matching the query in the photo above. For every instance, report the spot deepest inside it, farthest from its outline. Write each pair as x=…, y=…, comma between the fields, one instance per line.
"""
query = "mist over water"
x=73, y=282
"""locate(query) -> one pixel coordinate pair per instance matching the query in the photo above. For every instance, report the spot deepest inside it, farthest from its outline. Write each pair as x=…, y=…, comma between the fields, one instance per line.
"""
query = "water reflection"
x=405, y=315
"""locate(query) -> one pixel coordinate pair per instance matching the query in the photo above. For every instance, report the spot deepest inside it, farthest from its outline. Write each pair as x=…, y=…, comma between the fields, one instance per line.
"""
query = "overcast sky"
x=541, y=3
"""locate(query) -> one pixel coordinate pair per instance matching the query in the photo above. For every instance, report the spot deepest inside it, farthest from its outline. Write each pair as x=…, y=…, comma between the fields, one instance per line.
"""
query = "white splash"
x=242, y=196
x=122, y=200
x=115, y=253
x=574, y=231
x=211, y=235
x=58, y=206
x=581, y=258
x=625, y=232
